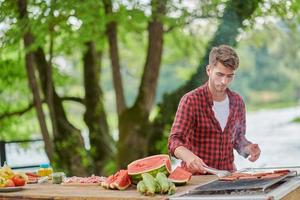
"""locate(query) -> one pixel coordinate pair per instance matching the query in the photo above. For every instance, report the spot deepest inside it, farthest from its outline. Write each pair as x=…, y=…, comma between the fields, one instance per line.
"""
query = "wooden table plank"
x=294, y=195
x=59, y=192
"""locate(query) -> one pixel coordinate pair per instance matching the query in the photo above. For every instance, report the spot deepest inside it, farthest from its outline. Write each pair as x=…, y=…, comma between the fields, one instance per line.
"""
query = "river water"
x=278, y=137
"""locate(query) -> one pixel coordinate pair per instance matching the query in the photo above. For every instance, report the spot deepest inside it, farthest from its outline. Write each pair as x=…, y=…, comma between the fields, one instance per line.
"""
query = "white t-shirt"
x=221, y=110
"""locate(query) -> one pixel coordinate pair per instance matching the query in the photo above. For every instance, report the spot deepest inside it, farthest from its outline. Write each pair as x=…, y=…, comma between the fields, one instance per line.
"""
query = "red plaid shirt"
x=196, y=128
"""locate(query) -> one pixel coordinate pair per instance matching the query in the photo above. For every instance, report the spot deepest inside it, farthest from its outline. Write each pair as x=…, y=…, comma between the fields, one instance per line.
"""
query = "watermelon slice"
x=119, y=181
x=108, y=181
x=151, y=165
x=180, y=176
x=122, y=181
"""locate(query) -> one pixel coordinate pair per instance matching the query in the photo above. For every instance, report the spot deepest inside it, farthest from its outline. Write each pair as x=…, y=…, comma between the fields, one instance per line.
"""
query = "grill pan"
x=238, y=185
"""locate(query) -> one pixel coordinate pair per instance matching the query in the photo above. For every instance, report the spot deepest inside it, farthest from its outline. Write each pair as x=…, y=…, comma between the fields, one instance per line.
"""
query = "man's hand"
x=254, y=152
x=193, y=163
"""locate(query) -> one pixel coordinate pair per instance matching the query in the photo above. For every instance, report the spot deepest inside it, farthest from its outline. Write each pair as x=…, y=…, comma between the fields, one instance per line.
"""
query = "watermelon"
x=108, y=181
x=119, y=181
x=180, y=176
x=151, y=165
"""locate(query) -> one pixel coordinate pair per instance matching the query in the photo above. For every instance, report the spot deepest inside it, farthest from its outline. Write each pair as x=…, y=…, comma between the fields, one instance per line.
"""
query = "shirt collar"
x=210, y=98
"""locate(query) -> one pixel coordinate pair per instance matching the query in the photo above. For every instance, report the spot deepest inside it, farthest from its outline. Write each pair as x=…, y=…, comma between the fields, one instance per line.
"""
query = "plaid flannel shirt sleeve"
x=240, y=141
x=182, y=124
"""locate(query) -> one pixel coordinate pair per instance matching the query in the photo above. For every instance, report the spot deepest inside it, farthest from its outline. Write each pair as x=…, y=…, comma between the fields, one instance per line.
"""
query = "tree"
x=69, y=140
x=133, y=121
x=30, y=69
x=64, y=146
x=95, y=116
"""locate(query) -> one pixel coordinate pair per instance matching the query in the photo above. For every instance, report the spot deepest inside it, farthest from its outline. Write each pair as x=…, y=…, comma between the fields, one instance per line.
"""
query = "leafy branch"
x=31, y=105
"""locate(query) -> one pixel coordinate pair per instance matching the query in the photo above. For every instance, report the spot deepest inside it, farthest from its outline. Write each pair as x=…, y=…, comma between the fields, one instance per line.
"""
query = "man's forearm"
x=193, y=163
x=242, y=145
x=183, y=153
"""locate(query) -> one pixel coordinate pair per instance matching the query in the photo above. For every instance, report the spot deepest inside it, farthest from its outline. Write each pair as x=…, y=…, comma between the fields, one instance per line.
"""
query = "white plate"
x=11, y=189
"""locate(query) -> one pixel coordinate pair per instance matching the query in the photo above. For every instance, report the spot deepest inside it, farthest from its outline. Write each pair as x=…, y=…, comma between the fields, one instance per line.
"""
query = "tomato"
x=10, y=183
x=18, y=180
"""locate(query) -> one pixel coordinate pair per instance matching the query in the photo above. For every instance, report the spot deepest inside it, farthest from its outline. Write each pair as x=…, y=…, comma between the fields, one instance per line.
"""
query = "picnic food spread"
x=148, y=176
x=9, y=178
x=84, y=181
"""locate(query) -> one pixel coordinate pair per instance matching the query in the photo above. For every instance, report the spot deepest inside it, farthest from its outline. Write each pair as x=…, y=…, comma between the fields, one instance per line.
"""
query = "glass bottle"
x=45, y=170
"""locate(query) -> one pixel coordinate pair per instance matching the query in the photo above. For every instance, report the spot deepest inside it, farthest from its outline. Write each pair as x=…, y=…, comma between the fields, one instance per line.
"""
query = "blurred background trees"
x=100, y=81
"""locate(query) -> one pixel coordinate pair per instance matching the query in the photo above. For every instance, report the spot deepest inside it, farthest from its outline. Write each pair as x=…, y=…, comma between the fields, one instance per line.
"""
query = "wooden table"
x=59, y=192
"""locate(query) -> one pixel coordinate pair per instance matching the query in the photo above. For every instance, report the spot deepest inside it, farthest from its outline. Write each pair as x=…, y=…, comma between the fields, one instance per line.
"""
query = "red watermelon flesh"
x=115, y=176
x=180, y=176
x=108, y=181
x=120, y=180
x=151, y=165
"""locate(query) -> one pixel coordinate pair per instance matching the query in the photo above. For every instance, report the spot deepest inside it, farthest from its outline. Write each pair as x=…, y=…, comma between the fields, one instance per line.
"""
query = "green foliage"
x=110, y=167
x=269, y=66
x=269, y=50
x=19, y=128
x=14, y=96
x=296, y=120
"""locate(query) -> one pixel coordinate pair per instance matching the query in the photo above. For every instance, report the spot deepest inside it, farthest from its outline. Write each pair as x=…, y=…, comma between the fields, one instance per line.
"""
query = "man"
x=210, y=120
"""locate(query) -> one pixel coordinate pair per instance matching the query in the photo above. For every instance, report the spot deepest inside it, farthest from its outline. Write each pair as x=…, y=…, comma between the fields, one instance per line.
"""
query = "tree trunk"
x=49, y=90
x=132, y=143
x=235, y=13
x=147, y=90
x=111, y=31
x=71, y=155
x=134, y=122
x=95, y=116
x=29, y=63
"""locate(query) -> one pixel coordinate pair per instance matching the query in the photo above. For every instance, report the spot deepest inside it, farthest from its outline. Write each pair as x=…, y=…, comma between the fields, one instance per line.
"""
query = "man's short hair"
x=225, y=55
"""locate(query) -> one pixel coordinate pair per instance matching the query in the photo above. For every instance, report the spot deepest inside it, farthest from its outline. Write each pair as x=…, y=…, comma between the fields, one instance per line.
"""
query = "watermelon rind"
x=178, y=182
x=120, y=181
x=119, y=187
x=163, y=168
x=180, y=176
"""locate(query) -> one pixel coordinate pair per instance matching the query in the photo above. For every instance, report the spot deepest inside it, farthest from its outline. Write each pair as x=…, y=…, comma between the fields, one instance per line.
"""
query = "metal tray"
x=239, y=185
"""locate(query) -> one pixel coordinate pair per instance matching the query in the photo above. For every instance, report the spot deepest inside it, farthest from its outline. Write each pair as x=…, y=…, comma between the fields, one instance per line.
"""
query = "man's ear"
x=208, y=68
